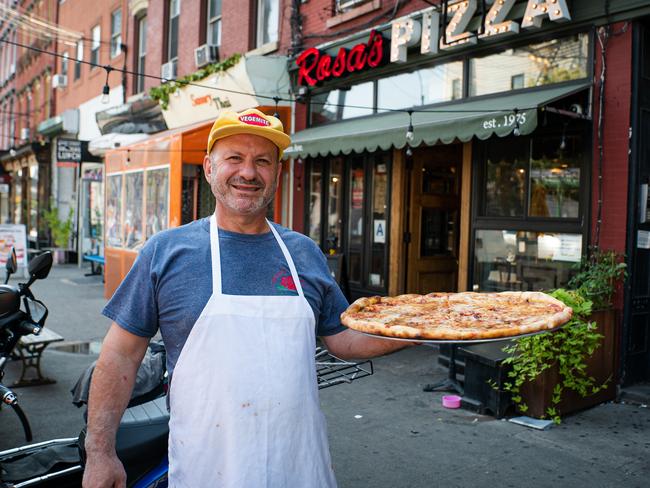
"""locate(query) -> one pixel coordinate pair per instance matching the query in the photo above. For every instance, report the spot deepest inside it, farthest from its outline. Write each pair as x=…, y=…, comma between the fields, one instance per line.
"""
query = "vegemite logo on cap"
x=252, y=119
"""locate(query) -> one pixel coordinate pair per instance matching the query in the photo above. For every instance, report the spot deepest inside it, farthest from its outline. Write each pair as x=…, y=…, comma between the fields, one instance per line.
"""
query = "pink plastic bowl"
x=451, y=401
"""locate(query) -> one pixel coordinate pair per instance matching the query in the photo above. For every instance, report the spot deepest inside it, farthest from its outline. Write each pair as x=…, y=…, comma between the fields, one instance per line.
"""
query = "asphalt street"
x=385, y=432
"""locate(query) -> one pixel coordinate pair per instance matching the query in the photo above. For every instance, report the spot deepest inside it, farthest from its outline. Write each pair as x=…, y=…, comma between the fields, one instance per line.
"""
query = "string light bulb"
x=516, y=131
x=409, y=131
x=106, y=94
x=107, y=89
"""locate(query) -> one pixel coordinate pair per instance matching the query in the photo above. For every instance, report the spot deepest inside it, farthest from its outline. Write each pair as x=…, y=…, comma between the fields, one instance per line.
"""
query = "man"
x=238, y=302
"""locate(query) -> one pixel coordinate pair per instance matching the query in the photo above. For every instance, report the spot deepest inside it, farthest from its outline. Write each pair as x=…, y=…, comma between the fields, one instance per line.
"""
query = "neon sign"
x=315, y=66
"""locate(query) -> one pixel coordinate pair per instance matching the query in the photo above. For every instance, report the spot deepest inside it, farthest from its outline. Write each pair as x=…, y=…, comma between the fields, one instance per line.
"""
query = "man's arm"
x=110, y=391
x=350, y=344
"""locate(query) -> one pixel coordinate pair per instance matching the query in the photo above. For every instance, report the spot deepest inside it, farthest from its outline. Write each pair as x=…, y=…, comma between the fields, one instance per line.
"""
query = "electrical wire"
x=257, y=95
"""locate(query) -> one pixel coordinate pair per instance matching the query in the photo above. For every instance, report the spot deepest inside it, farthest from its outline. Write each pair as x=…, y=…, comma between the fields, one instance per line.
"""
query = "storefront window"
x=33, y=203
x=315, y=196
x=355, y=220
x=335, y=204
x=518, y=260
x=342, y=104
x=506, y=166
x=133, y=228
x=421, y=87
x=376, y=272
x=540, y=64
x=114, y=210
x=157, y=200
x=533, y=177
x=555, y=177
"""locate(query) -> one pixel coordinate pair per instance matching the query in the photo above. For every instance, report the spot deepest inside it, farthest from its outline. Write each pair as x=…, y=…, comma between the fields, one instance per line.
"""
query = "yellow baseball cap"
x=249, y=121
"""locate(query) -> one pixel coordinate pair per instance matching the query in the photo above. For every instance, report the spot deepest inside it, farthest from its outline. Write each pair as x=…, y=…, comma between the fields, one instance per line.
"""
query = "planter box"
x=601, y=365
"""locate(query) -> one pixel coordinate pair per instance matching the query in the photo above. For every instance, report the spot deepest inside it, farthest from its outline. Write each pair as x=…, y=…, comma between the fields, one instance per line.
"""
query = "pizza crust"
x=457, y=316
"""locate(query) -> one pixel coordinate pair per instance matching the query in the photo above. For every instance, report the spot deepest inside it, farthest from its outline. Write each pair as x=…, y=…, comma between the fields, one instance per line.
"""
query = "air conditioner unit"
x=12, y=68
x=206, y=54
x=24, y=133
x=59, y=81
x=168, y=71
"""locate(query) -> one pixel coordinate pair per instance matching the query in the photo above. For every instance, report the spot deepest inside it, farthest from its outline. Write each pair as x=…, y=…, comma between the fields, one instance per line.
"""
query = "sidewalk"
x=385, y=432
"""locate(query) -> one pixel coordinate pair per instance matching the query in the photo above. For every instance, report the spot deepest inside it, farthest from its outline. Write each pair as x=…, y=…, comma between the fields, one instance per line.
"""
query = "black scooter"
x=16, y=322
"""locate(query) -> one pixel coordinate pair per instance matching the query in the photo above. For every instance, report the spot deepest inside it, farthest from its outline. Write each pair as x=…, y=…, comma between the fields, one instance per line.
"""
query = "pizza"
x=457, y=316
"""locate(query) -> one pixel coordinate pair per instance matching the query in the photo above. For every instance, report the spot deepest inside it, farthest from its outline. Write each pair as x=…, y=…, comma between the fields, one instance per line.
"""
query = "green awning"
x=444, y=123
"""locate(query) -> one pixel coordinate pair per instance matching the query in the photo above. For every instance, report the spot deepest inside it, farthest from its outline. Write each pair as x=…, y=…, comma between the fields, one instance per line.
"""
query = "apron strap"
x=216, y=257
x=287, y=256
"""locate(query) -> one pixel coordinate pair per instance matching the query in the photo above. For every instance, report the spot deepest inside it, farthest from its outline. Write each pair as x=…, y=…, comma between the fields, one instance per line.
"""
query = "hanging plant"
x=567, y=348
x=161, y=93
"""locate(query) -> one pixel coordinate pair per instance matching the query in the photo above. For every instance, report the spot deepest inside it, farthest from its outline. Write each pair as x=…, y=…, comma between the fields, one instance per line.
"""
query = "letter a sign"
x=380, y=232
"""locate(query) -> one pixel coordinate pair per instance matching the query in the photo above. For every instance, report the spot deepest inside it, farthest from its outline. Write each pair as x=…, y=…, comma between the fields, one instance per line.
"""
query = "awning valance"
x=444, y=123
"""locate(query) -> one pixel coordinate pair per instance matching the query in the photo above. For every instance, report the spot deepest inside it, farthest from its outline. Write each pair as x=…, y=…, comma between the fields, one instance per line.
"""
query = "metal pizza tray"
x=461, y=341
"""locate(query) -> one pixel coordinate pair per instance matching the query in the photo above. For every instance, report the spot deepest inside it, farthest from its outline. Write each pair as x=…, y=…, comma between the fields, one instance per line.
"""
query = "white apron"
x=244, y=400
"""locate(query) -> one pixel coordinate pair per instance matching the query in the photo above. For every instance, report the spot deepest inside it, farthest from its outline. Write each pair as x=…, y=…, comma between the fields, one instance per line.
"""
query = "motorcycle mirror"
x=12, y=262
x=40, y=266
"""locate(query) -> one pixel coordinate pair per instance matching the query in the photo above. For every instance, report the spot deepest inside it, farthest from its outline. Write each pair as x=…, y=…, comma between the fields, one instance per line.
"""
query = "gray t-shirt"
x=171, y=280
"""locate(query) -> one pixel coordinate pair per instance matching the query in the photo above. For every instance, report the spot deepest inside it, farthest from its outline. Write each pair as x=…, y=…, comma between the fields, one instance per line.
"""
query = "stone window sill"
x=354, y=13
x=267, y=48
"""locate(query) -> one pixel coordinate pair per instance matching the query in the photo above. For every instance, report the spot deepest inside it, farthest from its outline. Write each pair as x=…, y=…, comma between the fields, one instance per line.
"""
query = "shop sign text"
x=507, y=120
x=68, y=151
x=408, y=31
x=315, y=66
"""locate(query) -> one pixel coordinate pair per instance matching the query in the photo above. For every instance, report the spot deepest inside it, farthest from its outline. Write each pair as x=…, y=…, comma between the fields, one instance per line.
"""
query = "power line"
x=276, y=99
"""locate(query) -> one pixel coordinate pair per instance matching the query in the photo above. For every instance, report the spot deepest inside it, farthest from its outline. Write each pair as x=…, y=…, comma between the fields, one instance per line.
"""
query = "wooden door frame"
x=399, y=214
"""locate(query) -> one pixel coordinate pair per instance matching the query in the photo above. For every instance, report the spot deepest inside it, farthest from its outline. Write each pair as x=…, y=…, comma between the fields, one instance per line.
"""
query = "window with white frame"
x=79, y=58
x=142, y=52
x=172, y=33
x=268, y=19
x=64, y=64
x=214, y=22
x=95, y=42
x=116, y=33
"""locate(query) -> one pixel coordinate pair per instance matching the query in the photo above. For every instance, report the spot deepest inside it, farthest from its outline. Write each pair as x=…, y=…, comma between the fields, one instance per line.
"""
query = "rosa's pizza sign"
x=315, y=66
x=434, y=31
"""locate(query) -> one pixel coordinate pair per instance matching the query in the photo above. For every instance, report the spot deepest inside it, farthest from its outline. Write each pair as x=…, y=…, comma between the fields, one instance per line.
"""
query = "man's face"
x=243, y=172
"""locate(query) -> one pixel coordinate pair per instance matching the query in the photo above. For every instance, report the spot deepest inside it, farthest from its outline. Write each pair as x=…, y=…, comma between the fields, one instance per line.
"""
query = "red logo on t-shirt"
x=252, y=119
x=283, y=282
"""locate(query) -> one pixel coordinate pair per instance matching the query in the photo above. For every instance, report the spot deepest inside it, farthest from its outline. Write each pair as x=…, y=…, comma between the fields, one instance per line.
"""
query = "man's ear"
x=207, y=167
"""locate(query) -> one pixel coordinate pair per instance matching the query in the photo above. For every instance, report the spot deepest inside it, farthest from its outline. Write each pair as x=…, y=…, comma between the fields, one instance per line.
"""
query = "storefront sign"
x=643, y=239
x=231, y=90
x=315, y=66
x=15, y=236
x=569, y=248
x=380, y=232
x=68, y=151
x=71, y=152
x=408, y=31
x=92, y=174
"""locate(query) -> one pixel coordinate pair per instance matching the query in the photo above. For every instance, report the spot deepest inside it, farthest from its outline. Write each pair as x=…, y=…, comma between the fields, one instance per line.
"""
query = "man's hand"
x=103, y=470
x=110, y=390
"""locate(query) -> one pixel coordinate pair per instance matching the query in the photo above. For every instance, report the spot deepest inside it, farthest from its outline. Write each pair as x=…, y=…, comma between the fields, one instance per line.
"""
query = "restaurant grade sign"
x=316, y=66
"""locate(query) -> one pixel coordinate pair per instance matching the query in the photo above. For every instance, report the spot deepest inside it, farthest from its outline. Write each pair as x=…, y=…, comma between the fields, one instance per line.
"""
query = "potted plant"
x=572, y=368
x=60, y=231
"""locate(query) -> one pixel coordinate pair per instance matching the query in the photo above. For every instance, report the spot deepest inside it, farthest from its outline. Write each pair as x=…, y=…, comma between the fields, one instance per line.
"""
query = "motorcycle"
x=16, y=322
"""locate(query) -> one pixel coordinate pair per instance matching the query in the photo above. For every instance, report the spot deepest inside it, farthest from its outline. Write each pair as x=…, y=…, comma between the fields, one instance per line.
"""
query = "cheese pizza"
x=457, y=316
